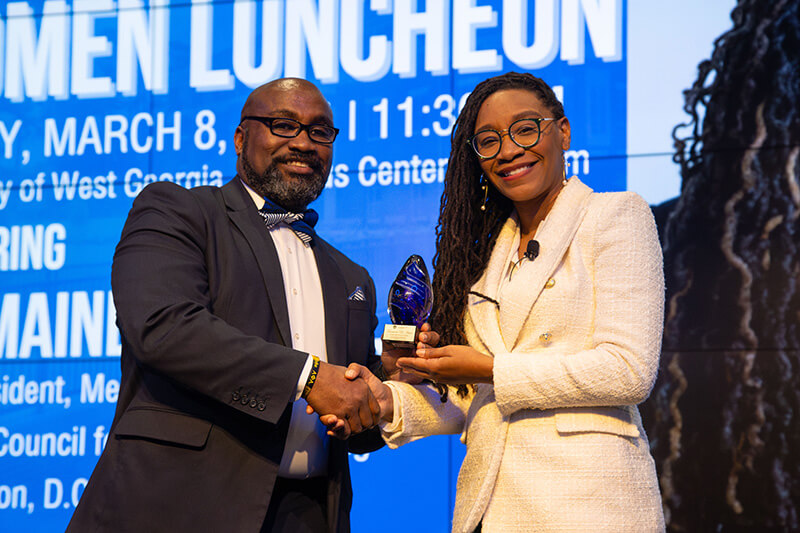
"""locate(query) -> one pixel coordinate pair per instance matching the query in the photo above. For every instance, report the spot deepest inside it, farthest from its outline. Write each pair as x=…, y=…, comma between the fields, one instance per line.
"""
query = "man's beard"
x=293, y=193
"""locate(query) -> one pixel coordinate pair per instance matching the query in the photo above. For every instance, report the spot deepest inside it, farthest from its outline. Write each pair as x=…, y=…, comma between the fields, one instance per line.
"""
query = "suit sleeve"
x=373, y=360
x=370, y=440
x=161, y=290
x=621, y=365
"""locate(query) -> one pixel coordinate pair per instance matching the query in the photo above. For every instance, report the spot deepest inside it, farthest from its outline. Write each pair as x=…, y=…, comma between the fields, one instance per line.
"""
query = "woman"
x=558, y=348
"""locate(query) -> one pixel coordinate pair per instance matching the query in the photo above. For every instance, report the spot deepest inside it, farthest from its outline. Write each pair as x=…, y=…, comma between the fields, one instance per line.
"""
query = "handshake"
x=351, y=400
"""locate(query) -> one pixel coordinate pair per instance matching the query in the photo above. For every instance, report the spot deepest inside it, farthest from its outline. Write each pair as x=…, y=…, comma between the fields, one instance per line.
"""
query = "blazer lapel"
x=245, y=217
x=334, y=296
x=483, y=312
x=555, y=234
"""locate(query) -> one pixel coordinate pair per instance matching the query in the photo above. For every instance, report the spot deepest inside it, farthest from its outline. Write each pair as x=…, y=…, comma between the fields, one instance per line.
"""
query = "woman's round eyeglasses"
x=525, y=133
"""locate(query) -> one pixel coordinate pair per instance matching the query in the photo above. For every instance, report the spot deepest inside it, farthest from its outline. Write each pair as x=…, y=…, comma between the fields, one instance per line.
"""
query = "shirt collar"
x=257, y=199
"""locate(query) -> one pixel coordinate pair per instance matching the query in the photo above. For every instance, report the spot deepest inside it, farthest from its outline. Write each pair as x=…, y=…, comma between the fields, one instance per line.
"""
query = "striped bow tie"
x=301, y=223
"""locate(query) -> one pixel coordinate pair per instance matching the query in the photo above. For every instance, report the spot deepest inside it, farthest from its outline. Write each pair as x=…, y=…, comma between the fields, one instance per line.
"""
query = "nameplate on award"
x=400, y=336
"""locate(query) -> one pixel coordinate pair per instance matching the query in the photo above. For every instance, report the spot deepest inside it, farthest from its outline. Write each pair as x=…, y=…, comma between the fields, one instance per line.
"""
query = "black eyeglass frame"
x=267, y=121
x=507, y=131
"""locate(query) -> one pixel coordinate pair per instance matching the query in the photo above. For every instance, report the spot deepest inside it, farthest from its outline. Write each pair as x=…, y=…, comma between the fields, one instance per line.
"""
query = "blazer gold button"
x=550, y=283
x=545, y=337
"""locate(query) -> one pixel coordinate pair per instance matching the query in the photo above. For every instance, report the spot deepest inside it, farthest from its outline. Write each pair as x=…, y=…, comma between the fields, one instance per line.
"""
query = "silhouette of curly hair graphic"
x=724, y=417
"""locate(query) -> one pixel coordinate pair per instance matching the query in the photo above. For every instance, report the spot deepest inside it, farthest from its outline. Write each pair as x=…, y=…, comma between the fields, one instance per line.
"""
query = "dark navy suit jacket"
x=208, y=372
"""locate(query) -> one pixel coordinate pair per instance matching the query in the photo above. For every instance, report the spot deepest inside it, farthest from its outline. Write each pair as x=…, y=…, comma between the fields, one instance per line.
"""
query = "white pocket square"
x=358, y=295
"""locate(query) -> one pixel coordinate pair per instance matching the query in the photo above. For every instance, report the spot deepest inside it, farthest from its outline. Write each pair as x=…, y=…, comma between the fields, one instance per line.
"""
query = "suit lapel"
x=483, y=312
x=245, y=217
x=555, y=234
x=334, y=296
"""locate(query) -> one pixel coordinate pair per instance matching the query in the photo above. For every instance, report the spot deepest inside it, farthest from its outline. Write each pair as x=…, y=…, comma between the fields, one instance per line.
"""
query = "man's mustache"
x=312, y=161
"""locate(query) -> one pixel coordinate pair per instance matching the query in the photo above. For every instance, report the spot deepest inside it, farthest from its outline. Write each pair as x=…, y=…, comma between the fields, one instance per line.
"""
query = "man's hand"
x=355, y=372
x=382, y=393
x=350, y=401
x=390, y=355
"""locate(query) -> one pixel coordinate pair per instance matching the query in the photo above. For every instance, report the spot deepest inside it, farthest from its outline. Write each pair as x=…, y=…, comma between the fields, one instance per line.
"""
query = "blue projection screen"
x=99, y=98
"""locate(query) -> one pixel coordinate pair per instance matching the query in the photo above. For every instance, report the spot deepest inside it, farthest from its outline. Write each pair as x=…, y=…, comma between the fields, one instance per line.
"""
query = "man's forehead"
x=290, y=99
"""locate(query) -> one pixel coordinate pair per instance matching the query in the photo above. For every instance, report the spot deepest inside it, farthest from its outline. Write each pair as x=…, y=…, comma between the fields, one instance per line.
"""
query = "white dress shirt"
x=306, y=451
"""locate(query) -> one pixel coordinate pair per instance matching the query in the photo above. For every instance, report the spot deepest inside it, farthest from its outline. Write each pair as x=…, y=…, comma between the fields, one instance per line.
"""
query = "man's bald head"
x=262, y=94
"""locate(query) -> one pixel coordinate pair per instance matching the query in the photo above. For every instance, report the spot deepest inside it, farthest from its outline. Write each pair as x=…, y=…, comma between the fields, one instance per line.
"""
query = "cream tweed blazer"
x=556, y=443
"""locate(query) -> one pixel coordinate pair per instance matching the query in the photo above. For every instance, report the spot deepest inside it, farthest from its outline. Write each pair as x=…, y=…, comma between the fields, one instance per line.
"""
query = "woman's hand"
x=453, y=365
x=390, y=355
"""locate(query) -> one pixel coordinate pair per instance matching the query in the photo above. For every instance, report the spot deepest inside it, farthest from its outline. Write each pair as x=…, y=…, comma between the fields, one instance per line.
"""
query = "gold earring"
x=485, y=189
x=564, y=166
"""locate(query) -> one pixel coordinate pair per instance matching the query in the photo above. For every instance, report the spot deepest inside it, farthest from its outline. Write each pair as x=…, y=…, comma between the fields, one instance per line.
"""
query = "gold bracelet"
x=312, y=377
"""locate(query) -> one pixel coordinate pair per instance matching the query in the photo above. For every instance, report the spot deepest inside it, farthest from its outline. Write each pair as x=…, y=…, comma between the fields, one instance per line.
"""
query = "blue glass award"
x=410, y=303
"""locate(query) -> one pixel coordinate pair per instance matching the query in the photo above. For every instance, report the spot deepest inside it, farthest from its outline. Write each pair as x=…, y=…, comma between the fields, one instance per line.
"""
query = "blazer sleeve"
x=420, y=412
x=164, y=310
x=621, y=365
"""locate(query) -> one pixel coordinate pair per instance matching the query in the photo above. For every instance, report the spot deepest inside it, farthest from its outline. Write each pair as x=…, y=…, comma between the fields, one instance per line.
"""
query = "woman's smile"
x=515, y=171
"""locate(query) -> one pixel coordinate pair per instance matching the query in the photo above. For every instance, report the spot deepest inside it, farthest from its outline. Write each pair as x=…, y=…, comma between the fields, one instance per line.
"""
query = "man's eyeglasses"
x=525, y=133
x=288, y=128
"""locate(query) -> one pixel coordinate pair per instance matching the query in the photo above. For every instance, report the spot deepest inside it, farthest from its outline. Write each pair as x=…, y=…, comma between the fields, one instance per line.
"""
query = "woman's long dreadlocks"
x=465, y=235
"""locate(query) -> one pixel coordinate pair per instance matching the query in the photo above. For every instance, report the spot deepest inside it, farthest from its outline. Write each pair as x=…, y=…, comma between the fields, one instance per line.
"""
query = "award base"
x=398, y=336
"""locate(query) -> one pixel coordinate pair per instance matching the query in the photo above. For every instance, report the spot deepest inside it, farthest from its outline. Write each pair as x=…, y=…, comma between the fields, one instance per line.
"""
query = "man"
x=224, y=305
